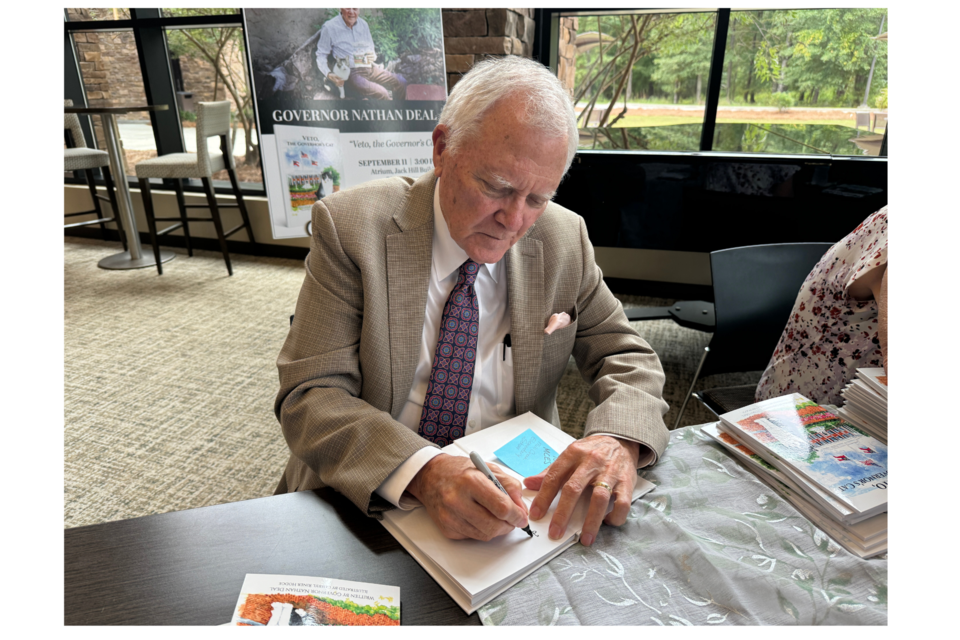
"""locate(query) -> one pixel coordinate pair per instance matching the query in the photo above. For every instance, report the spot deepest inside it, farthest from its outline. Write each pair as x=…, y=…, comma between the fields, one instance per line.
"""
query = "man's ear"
x=440, y=134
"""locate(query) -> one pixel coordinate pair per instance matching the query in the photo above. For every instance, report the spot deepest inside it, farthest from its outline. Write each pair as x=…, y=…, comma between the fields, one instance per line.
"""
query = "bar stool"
x=79, y=157
x=213, y=119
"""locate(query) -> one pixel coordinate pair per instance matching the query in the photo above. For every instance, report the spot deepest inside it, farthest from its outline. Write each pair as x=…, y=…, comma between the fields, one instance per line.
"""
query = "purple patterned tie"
x=447, y=401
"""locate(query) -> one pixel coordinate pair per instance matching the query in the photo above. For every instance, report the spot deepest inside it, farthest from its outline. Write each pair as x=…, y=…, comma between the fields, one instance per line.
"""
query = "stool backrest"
x=754, y=289
x=213, y=119
x=72, y=123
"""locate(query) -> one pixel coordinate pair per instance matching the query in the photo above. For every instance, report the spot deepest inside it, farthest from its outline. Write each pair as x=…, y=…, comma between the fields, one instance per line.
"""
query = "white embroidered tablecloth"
x=710, y=545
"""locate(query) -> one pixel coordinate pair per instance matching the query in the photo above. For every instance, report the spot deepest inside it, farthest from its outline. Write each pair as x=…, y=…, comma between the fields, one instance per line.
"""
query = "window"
x=110, y=71
x=176, y=57
x=804, y=81
x=179, y=13
x=638, y=79
x=80, y=15
x=210, y=65
x=792, y=81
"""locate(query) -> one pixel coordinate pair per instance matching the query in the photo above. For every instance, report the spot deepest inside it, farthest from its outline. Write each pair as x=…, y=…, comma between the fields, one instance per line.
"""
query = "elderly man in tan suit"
x=395, y=263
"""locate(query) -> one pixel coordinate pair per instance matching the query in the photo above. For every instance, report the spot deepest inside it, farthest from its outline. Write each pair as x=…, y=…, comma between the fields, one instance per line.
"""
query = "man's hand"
x=335, y=79
x=464, y=503
x=370, y=58
x=583, y=463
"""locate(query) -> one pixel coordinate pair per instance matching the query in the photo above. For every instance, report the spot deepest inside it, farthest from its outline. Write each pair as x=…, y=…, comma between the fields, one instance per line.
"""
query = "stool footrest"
x=234, y=230
x=80, y=213
x=181, y=219
x=207, y=206
x=172, y=227
x=83, y=224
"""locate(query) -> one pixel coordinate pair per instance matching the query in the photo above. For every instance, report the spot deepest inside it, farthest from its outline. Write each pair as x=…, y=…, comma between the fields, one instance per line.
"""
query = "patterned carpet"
x=169, y=381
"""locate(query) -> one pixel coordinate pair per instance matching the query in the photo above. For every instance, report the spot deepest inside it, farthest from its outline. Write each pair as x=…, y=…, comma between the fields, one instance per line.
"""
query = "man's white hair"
x=549, y=109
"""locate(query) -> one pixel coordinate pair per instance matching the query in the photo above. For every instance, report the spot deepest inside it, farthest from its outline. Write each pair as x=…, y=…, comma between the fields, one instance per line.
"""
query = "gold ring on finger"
x=600, y=483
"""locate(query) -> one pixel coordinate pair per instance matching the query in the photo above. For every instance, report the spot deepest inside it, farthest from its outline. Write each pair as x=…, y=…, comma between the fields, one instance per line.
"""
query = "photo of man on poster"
x=343, y=96
x=347, y=40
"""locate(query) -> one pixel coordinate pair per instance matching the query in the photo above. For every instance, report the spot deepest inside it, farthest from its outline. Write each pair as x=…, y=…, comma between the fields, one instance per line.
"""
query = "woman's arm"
x=880, y=294
x=873, y=284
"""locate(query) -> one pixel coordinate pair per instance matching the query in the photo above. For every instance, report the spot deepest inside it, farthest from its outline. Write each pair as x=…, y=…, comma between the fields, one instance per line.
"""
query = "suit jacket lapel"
x=409, y=259
x=524, y=262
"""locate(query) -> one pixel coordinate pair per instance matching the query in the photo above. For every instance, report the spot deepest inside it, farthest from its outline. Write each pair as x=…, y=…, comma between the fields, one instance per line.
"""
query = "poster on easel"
x=343, y=96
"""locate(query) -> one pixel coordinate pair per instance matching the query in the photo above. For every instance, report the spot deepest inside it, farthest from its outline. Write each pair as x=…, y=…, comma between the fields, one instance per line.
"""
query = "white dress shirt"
x=492, y=397
x=344, y=42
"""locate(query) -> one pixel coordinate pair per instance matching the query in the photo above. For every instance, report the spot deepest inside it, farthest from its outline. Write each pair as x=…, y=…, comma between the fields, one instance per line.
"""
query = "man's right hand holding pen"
x=464, y=503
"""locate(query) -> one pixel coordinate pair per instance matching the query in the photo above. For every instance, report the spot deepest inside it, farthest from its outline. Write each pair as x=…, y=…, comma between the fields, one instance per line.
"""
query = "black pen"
x=506, y=345
x=485, y=470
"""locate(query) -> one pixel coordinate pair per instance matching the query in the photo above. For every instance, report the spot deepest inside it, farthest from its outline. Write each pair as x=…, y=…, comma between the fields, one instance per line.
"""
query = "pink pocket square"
x=557, y=321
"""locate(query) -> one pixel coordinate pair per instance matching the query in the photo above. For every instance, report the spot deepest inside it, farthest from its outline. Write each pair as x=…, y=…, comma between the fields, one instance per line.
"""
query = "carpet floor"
x=169, y=381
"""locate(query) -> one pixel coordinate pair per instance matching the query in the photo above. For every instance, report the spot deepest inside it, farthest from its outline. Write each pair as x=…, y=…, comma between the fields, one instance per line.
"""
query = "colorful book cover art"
x=287, y=601
x=733, y=443
x=819, y=444
x=310, y=166
x=751, y=458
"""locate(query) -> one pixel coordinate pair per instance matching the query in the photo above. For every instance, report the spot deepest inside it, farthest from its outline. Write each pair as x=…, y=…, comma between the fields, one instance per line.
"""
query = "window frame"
x=148, y=27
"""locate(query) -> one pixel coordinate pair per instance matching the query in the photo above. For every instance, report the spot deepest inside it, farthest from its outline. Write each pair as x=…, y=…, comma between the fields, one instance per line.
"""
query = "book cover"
x=819, y=445
x=310, y=168
x=865, y=539
x=271, y=600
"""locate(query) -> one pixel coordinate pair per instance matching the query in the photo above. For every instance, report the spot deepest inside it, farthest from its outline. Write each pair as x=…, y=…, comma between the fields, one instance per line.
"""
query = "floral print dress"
x=829, y=334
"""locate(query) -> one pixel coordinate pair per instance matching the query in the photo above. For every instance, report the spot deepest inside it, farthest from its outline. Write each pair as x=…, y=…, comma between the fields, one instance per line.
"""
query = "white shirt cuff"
x=396, y=483
x=647, y=456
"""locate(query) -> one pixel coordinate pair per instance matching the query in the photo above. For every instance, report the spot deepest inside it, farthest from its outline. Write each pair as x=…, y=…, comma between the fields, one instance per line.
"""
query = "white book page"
x=876, y=377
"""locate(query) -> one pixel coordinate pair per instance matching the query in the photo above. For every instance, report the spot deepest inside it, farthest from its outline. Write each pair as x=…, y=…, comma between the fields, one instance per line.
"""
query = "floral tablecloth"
x=711, y=545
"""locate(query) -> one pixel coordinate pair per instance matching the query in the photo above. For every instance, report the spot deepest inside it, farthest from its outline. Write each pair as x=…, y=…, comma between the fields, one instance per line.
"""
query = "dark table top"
x=187, y=567
x=116, y=110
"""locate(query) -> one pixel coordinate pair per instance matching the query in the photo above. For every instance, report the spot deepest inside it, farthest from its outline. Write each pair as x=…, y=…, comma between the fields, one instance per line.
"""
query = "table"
x=711, y=545
x=133, y=258
x=187, y=567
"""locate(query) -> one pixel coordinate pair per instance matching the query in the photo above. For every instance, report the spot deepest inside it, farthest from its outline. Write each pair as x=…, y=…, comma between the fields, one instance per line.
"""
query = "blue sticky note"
x=527, y=454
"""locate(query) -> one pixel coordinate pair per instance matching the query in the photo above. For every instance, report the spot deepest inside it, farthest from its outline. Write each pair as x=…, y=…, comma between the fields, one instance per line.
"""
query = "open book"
x=475, y=572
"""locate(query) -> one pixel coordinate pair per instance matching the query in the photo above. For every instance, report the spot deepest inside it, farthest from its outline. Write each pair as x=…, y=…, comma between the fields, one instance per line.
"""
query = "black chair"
x=754, y=290
x=78, y=157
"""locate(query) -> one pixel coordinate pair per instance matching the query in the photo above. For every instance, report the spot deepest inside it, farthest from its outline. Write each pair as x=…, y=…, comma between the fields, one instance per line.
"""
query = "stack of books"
x=865, y=402
x=832, y=472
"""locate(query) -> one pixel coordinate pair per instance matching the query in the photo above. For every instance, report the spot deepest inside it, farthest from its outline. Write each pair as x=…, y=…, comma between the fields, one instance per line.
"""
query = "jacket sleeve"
x=351, y=445
x=624, y=373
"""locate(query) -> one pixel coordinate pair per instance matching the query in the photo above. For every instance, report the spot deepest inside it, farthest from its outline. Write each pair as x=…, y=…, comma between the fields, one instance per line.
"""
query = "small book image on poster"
x=310, y=166
x=270, y=600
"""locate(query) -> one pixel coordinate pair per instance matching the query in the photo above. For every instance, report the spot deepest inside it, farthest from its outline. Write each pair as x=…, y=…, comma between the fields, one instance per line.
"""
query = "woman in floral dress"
x=839, y=321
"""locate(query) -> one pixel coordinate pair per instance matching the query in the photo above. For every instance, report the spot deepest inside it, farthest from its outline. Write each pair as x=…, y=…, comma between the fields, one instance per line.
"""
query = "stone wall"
x=566, y=68
x=469, y=34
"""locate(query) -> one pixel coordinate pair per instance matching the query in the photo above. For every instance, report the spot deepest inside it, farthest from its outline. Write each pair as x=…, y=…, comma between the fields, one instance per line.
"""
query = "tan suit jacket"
x=349, y=360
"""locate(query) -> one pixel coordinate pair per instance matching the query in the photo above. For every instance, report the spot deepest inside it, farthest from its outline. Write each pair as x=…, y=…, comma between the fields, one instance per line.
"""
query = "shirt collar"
x=447, y=254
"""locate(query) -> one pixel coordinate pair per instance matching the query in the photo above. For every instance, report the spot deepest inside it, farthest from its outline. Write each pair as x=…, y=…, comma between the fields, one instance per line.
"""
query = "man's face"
x=349, y=16
x=498, y=183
